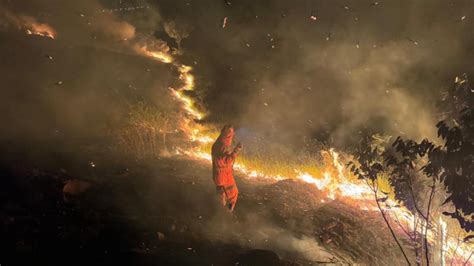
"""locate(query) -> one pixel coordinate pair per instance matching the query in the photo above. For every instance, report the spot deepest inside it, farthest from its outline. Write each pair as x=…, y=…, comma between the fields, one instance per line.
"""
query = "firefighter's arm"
x=231, y=155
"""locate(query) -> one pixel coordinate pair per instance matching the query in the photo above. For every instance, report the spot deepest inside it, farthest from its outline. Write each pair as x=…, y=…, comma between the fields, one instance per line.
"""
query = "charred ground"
x=163, y=211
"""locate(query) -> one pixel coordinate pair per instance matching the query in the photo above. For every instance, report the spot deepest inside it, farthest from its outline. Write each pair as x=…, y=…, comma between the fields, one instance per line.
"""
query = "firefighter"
x=223, y=157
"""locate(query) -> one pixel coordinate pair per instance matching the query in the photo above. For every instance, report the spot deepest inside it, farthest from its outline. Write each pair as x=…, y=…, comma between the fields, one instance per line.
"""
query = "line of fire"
x=236, y=132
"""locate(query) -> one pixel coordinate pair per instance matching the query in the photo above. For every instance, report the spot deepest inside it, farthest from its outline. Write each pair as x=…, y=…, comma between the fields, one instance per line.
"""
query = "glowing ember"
x=224, y=22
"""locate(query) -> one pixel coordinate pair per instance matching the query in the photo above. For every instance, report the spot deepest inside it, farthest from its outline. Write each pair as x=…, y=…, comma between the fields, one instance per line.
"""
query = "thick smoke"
x=257, y=232
x=283, y=69
x=60, y=95
x=331, y=70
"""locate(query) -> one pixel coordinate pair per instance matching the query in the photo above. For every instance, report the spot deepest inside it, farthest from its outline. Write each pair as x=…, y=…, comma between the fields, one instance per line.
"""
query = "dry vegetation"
x=142, y=133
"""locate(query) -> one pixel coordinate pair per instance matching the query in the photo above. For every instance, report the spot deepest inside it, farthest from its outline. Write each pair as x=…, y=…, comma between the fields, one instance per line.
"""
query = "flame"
x=186, y=77
x=335, y=181
x=188, y=105
x=40, y=29
x=161, y=56
x=187, y=124
x=443, y=241
x=320, y=183
x=28, y=24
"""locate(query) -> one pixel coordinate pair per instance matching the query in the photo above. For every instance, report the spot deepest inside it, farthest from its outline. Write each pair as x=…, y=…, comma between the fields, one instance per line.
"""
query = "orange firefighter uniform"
x=223, y=157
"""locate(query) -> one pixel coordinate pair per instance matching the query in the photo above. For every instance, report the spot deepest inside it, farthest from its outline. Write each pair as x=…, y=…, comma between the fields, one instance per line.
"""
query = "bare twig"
x=402, y=227
x=425, y=237
x=456, y=249
x=412, y=193
x=468, y=259
x=374, y=189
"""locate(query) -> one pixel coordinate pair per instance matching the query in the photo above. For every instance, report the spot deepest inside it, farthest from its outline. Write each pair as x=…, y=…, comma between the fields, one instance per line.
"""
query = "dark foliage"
x=456, y=157
x=402, y=161
x=369, y=169
x=451, y=163
x=367, y=156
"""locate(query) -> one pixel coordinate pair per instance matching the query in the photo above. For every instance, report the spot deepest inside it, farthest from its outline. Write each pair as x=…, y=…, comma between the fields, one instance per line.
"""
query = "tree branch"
x=425, y=237
x=388, y=224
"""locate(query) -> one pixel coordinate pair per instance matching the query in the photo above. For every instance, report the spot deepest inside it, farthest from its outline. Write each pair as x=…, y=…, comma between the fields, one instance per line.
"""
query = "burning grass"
x=29, y=25
x=279, y=164
x=276, y=162
x=269, y=159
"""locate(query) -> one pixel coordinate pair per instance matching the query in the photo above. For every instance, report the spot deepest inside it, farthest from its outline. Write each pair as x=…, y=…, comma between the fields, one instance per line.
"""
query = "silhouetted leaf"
x=382, y=199
x=468, y=238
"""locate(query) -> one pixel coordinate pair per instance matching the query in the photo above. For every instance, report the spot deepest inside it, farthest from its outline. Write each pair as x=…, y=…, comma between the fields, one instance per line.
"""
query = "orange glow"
x=28, y=24
x=155, y=54
x=336, y=182
x=33, y=27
